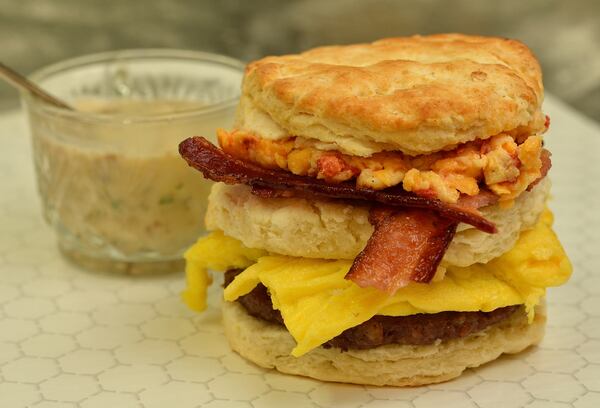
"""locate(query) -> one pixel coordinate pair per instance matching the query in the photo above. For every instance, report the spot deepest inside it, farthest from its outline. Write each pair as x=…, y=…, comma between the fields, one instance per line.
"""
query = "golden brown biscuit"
x=413, y=94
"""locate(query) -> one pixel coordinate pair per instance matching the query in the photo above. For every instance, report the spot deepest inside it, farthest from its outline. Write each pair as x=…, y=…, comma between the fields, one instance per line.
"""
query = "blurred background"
x=565, y=35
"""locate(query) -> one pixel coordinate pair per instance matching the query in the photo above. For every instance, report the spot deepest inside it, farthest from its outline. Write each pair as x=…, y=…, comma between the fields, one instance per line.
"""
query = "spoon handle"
x=24, y=84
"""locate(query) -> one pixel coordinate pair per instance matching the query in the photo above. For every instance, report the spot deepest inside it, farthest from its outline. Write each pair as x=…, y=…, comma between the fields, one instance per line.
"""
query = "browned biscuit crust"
x=414, y=94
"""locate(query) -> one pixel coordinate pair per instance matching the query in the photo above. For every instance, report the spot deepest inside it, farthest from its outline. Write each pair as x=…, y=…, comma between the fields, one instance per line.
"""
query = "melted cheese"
x=317, y=303
x=505, y=166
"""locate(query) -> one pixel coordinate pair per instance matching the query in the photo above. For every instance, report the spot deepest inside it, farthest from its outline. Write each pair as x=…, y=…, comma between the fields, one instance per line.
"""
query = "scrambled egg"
x=217, y=252
x=506, y=166
x=317, y=303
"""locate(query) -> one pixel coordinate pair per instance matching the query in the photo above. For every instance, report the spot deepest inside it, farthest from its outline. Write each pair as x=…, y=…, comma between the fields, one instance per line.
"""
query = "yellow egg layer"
x=317, y=303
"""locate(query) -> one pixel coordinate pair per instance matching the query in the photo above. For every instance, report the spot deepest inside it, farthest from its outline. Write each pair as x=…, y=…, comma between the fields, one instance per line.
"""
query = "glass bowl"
x=110, y=178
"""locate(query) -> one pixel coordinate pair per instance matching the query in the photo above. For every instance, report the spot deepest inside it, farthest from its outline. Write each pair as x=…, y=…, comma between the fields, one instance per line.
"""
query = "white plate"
x=71, y=338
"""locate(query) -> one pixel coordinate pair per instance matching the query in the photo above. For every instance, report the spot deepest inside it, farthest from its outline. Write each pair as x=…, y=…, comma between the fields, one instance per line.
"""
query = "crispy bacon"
x=546, y=165
x=407, y=245
x=217, y=165
x=482, y=199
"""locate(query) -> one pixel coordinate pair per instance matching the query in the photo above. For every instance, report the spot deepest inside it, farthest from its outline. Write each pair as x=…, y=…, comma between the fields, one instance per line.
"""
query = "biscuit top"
x=417, y=94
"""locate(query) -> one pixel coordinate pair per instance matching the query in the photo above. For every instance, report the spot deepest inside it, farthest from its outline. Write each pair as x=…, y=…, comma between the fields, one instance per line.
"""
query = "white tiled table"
x=73, y=338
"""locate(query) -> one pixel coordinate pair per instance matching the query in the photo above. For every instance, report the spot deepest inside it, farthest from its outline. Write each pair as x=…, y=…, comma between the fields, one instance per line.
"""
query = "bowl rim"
x=132, y=54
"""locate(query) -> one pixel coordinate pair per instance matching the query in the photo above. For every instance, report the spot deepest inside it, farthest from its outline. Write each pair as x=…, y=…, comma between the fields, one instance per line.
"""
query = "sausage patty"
x=419, y=329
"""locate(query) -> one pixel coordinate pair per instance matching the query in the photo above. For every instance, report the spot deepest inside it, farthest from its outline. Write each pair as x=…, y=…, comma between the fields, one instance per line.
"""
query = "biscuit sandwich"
x=380, y=213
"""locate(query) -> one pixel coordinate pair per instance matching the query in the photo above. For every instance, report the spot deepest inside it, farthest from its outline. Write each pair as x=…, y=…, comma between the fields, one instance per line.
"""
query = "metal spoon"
x=23, y=84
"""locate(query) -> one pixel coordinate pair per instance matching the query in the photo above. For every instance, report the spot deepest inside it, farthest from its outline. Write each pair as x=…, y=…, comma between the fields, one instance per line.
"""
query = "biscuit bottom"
x=269, y=345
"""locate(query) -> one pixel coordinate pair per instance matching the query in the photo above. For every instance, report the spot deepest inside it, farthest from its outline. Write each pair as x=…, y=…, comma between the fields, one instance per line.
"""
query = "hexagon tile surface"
x=70, y=338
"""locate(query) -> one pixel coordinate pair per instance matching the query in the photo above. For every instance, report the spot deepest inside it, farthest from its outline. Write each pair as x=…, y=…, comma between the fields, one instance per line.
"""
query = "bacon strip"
x=217, y=165
x=407, y=245
x=546, y=165
x=482, y=199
